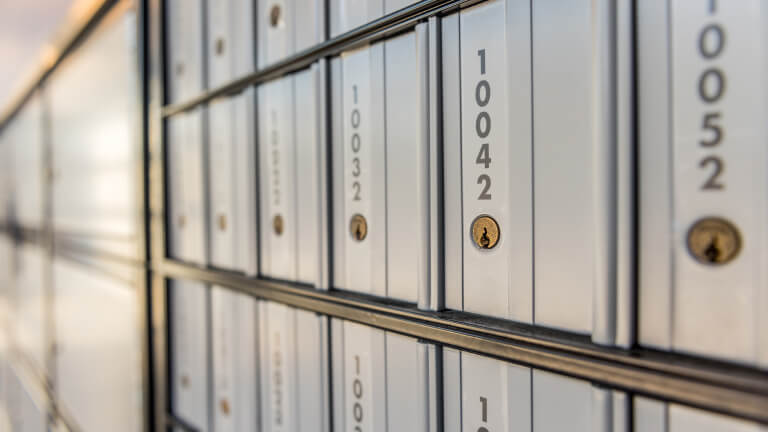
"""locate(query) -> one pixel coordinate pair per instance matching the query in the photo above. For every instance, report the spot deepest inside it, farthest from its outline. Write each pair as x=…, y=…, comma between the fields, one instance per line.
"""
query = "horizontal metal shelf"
x=388, y=25
x=707, y=384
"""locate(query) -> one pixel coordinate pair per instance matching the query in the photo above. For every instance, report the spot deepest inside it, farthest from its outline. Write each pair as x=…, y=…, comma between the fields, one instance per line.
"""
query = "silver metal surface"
x=721, y=387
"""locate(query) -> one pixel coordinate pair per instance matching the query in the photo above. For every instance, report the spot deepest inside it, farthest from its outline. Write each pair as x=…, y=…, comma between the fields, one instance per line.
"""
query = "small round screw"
x=714, y=241
x=485, y=232
x=358, y=227
x=278, y=224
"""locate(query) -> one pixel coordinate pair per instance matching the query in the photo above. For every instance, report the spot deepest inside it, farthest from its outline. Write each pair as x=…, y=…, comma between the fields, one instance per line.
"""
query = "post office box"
x=286, y=27
x=231, y=36
x=293, y=199
x=185, y=140
x=357, y=82
x=232, y=183
x=381, y=380
x=385, y=169
x=311, y=195
x=528, y=204
x=234, y=354
x=277, y=153
x=487, y=154
x=577, y=405
x=481, y=393
x=189, y=327
x=703, y=178
x=656, y=416
x=582, y=222
x=187, y=201
x=409, y=150
x=347, y=15
x=294, y=369
x=184, y=49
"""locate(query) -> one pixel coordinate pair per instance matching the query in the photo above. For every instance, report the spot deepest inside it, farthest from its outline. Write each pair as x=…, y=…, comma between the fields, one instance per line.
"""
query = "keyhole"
x=712, y=252
x=484, y=240
x=358, y=227
x=274, y=15
x=485, y=232
x=224, y=405
x=713, y=241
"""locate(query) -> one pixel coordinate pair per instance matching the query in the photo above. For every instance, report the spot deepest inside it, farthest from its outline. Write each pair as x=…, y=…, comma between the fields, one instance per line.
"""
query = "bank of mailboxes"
x=239, y=35
x=241, y=364
x=271, y=372
x=485, y=161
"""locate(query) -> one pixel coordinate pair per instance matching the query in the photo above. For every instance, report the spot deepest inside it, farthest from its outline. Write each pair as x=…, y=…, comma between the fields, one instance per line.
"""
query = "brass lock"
x=358, y=227
x=219, y=46
x=184, y=381
x=485, y=232
x=224, y=406
x=274, y=15
x=182, y=221
x=714, y=241
x=222, y=219
x=277, y=224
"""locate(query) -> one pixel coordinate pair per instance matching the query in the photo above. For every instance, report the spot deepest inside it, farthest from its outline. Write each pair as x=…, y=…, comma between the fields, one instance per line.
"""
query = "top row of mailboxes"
x=236, y=39
x=543, y=162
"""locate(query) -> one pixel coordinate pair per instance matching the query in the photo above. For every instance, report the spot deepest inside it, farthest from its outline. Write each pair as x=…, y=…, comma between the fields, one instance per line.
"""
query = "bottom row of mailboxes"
x=261, y=365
